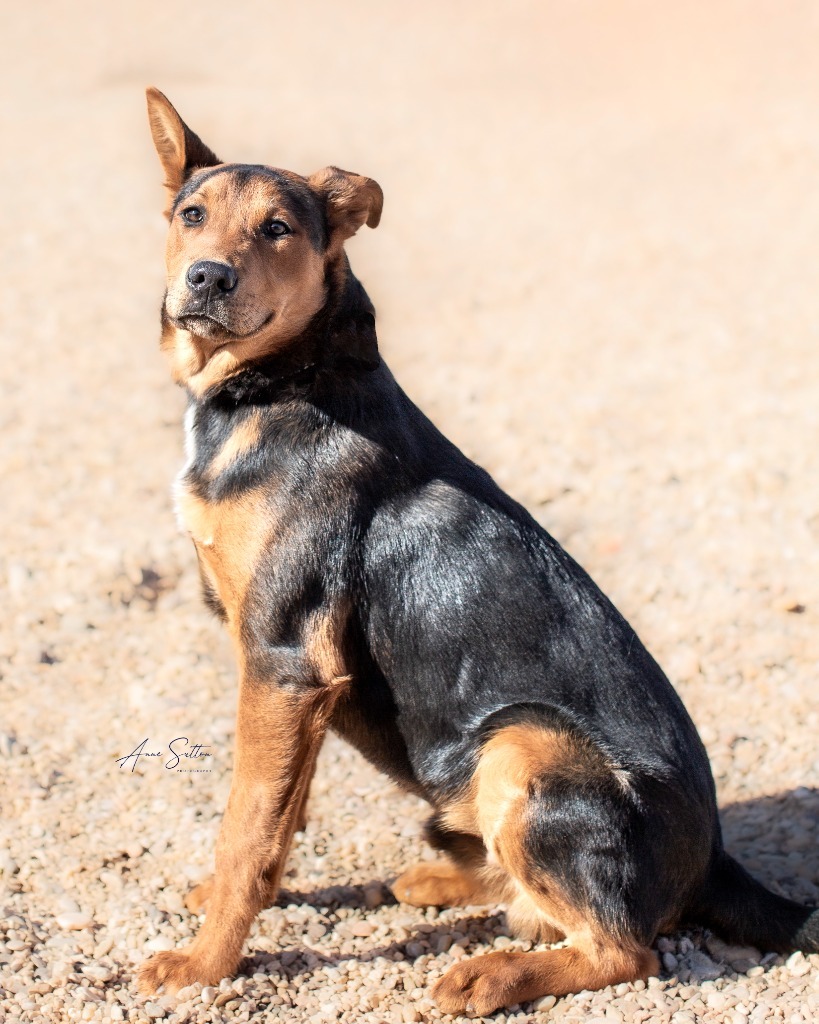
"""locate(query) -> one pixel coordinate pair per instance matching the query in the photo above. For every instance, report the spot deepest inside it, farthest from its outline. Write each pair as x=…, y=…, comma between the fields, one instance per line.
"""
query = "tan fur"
x=443, y=884
x=229, y=536
x=352, y=200
x=281, y=283
x=508, y=762
x=485, y=983
x=243, y=439
x=460, y=815
x=180, y=150
x=275, y=297
x=198, y=898
x=325, y=645
x=301, y=817
x=495, y=808
x=278, y=737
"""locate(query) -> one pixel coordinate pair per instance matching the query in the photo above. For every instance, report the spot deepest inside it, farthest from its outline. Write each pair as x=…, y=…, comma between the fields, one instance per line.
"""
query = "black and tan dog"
x=377, y=583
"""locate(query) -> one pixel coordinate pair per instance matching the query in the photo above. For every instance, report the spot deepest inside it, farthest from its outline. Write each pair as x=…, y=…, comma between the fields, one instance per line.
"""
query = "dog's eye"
x=194, y=214
x=275, y=228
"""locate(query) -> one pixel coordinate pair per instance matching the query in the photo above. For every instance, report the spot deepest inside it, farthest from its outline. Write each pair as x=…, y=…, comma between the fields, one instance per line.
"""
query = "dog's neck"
x=340, y=338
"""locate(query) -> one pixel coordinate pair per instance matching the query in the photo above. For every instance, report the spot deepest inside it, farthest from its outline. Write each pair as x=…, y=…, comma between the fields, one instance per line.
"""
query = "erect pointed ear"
x=180, y=150
x=352, y=200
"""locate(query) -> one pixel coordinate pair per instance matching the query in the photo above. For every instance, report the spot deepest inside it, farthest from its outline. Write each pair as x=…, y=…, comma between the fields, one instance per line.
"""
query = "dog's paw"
x=484, y=984
x=197, y=899
x=435, y=884
x=175, y=969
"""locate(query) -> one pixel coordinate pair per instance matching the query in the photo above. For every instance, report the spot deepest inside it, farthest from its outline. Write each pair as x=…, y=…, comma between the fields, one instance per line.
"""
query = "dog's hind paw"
x=435, y=884
x=175, y=969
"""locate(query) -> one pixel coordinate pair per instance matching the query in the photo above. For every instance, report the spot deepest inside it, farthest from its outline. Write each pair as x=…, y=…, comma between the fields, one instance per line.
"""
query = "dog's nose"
x=207, y=274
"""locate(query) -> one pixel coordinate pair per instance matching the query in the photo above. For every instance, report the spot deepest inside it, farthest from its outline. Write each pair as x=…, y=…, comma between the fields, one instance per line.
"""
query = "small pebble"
x=544, y=1003
x=362, y=929
x=8, y=865
x=74, y=921
x=798, y=965
x=97, y=972
x=702, y=968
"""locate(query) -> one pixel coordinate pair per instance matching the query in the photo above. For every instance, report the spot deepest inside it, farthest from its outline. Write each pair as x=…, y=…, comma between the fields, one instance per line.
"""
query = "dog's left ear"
x=180, y=150
x=351, y=200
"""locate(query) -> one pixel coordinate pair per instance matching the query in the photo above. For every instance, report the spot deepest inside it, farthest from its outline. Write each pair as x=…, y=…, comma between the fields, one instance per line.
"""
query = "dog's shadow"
x=776, y=838
x=354, y=897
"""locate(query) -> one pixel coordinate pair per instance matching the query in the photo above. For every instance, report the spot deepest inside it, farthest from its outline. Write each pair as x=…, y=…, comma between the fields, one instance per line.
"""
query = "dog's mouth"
x=212, y=327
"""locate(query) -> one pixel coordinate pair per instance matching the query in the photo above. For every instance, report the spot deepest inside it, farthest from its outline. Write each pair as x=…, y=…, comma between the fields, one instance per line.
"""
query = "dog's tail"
x=742, y=910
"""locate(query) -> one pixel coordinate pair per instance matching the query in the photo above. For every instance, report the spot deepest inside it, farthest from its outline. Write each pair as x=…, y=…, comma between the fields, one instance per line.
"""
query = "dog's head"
x=252, y=251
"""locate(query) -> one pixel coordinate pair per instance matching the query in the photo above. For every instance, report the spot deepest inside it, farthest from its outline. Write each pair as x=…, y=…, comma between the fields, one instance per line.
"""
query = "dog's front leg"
x=279, y=731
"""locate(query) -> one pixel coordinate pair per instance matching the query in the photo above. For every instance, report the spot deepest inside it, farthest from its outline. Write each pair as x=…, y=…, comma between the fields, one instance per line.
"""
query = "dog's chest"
x=230, y=533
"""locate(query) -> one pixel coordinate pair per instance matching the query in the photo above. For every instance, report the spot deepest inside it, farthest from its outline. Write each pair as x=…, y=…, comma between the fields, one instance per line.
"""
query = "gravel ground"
x=597, y=271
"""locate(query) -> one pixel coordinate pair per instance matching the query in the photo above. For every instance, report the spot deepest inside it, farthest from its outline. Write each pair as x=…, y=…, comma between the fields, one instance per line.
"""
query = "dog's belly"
x=370, y=726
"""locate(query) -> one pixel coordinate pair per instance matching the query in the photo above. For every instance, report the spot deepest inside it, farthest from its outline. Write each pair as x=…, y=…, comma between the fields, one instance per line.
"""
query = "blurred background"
x=597, y=271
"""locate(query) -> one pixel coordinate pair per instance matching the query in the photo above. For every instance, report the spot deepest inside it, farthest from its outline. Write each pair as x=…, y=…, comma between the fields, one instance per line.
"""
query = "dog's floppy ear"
x=180, y=150
x=351, y=199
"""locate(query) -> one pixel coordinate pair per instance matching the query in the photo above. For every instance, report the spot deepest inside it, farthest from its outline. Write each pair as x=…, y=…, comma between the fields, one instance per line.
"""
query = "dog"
x=377, y=583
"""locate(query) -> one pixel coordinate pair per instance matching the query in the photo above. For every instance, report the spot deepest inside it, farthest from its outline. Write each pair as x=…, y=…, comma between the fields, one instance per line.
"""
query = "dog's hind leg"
x=466, y=879
x=548, y=807
x=278, y=735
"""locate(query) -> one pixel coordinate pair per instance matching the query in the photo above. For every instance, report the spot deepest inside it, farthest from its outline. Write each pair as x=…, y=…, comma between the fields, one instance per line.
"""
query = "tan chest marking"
x=244, y=438
x=230, y=537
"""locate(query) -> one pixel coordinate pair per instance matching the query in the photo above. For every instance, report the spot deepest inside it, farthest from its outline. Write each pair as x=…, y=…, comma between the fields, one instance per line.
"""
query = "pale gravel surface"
x=597, y=271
